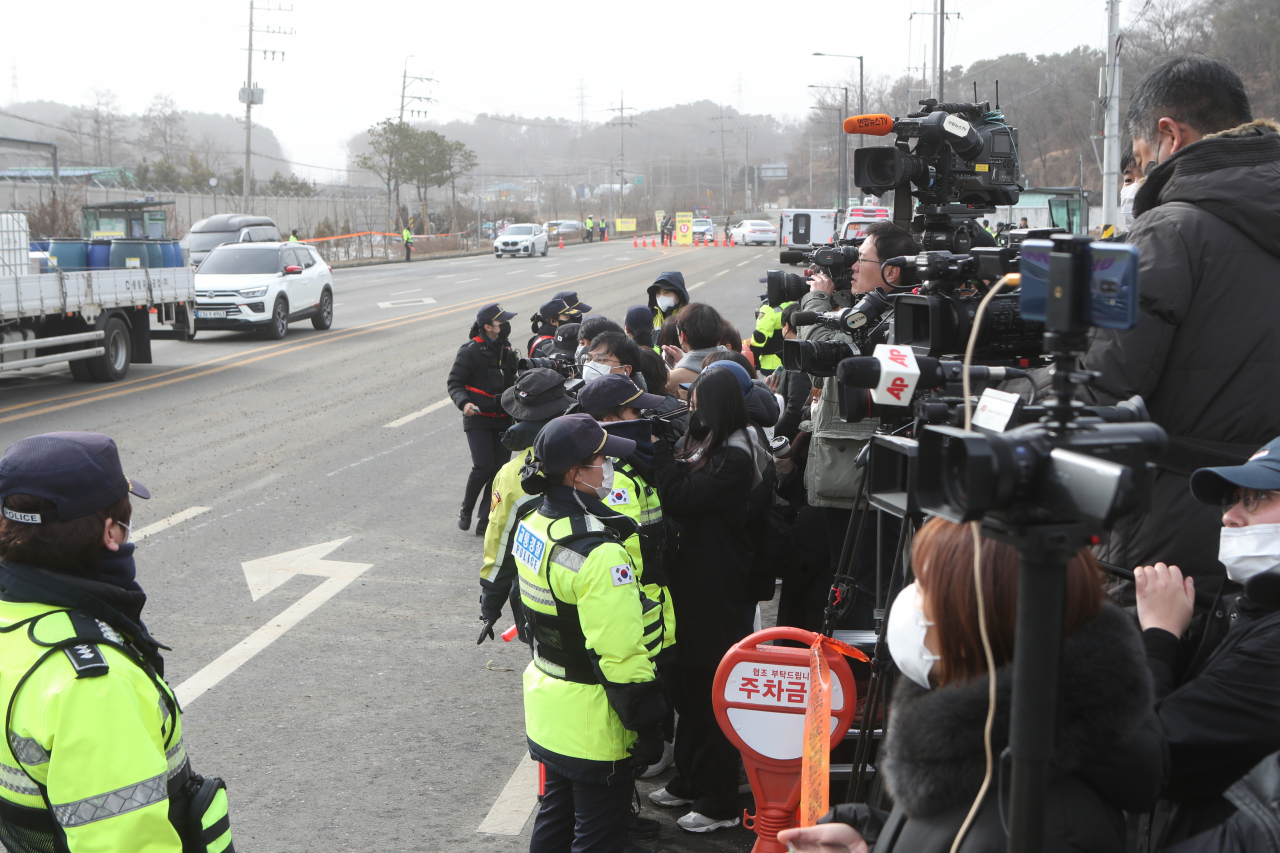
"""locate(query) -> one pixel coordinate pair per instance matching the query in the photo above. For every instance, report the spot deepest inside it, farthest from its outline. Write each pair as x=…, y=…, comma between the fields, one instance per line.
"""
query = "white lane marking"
x=339, y=576
x=428, y=410
x=696, y=286
x=466, y=281
x=722, y=272
x=402, y=303
x=744, y=263
x=449, y=275
x=403, y=292
x=337, y=305
x=166, y=523
x=548, y=275
x=515, y=272
x=510, y=812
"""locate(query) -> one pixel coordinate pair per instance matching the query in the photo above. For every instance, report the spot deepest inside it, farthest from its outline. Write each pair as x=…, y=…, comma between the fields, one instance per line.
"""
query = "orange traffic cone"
x=606, y=236
x=634, y=244
x=732, y=242
x=717, y=239
x=562, y=242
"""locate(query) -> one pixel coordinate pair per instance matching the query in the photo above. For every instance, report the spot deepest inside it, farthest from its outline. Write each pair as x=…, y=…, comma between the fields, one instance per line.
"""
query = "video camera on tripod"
x=835, y=260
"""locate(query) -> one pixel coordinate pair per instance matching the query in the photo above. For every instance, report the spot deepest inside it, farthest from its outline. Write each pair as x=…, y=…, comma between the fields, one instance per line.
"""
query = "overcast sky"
x=342, y=65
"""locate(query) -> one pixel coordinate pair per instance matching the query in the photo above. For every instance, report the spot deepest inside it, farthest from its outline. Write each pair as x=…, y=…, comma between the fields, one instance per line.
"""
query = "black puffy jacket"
x=1107, y=755
x=1205, y=351
x=1255, y=827
x=481, y=371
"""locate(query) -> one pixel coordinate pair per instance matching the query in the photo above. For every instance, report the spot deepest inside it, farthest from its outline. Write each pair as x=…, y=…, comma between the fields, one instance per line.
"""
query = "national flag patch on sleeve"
x=619, y=496
x=623, y=574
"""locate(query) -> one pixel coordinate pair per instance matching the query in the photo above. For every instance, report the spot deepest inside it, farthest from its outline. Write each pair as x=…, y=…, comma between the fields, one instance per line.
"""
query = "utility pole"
x=250, y=95
x=405, y=97
x=746, y=175
x=942, y=40
x=1111, y=122
x=724, y=195
x=622, y=125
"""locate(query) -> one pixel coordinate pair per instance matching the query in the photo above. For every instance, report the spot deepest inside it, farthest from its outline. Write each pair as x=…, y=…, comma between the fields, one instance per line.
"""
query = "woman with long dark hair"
x=484, y=367
x=705, y=491
x=1108, y=751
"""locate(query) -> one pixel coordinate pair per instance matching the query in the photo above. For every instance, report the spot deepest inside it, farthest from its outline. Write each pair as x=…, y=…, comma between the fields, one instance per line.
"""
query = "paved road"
x=360, y=715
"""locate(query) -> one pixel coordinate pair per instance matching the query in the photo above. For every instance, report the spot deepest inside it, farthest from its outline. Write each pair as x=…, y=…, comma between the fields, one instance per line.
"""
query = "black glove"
x=647, y=748
x=486, y=631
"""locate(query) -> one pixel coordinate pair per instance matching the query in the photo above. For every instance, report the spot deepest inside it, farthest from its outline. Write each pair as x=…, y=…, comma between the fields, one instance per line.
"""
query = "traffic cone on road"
x=634, y=244
x=732, y=242
x=717, y=239
x=562, y=242
x=606, y=236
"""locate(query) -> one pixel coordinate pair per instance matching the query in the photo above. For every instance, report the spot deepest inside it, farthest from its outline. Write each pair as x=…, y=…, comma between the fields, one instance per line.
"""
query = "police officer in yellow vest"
x=538, y=396
x=592, y=703
x=407, y=237
x=94, y=759
x=618, y=404
x=766, y=340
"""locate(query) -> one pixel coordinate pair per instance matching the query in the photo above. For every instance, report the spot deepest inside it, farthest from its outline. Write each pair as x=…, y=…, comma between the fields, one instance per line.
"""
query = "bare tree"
x=106, y=127
x=164, y=131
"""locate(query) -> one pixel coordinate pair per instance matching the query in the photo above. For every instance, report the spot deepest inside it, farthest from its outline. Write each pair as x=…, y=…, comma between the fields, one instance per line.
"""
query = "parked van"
x=208, y=234
x=800, y=230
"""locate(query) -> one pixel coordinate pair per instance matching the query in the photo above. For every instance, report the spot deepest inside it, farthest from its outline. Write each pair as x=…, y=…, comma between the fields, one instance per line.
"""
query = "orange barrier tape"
x=815, y=767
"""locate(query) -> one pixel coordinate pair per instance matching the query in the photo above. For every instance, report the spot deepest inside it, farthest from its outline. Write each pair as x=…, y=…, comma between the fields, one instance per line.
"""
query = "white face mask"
x=1248, y=551
x=905, y=636
x=666, y=303
x=606, y=484
x=594, y=370
x=1127, y=195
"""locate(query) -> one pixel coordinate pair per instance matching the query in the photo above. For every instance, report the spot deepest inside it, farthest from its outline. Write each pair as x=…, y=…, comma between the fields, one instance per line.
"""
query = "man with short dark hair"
x=1205, y=351
x=701, y=327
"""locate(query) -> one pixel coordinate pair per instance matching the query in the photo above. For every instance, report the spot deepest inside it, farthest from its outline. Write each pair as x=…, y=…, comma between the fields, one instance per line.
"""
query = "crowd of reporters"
x=1169, y=721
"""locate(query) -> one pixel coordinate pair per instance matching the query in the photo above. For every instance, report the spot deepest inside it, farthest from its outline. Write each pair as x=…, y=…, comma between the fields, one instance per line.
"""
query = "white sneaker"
x=668, y=758
x=694, y=822
x=662, y=798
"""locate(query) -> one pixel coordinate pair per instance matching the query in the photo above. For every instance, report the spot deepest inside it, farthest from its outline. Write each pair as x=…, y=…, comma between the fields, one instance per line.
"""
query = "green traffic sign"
x=638, y=181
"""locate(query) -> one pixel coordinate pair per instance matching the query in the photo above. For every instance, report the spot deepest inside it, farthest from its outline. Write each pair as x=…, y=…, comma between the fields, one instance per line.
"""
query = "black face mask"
x=698, y=428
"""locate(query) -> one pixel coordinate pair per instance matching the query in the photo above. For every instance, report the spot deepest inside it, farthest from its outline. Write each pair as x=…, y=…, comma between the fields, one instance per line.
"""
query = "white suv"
x=525, y=239
x=263, y=286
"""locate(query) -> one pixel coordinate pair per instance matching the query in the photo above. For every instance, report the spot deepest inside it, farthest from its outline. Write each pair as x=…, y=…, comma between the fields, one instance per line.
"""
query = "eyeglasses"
x=875, y=261
x=128, y=531
x=604, y=359
x=1251, y=498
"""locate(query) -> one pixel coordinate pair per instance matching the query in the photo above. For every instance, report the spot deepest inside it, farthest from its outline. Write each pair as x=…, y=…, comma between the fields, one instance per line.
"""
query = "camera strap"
x=1185, y=455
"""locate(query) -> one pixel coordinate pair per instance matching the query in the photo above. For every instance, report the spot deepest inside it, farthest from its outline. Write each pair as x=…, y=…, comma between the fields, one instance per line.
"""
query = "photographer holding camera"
x=1205, y=348
x=1219, y=704
x=831, y=478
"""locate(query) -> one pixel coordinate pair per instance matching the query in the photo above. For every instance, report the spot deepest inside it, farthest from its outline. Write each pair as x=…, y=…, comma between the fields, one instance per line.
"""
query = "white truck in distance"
x=799, y=231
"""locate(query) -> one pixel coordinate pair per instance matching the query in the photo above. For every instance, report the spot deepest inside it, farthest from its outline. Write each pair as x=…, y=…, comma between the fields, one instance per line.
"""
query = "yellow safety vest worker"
x=766, y=340
x=635, y=498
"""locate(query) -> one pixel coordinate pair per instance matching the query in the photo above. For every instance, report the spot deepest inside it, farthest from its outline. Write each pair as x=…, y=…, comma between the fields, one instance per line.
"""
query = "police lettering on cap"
x=1261, y=473
x=571, y=439
x=493, y=313
x=538, y=394
x=614, y=389
x=78, y=472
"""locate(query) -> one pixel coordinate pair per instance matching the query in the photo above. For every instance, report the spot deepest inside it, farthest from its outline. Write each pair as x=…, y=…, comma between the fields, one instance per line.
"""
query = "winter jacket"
x=1107, y=755
x=1255, y=828
x=1220, y=718
x=795, y=388
x=543, y=342
x=481, y=371
x=831, y=478
x=762, y=406
x=710, y=573
x=667, y=281
x=1205, y=350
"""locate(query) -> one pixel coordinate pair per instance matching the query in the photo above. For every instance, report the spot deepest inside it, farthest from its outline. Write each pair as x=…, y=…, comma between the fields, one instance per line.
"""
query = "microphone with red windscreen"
x=869, y=125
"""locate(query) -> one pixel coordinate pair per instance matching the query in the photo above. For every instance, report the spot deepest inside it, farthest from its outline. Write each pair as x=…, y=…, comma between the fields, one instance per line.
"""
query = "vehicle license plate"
x=211, y=315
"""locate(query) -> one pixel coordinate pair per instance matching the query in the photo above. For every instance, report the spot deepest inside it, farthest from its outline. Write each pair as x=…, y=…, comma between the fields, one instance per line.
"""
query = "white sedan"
x=525, y=239
x=756, y=231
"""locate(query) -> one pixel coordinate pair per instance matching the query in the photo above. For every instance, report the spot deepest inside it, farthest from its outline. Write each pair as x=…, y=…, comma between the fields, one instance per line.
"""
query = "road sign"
x=638, y=181
x=773, y=172
x=684, y=229
x=620, y=225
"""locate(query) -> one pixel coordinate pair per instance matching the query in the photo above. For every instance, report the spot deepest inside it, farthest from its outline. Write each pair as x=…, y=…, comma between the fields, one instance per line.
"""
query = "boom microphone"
x=869, y=125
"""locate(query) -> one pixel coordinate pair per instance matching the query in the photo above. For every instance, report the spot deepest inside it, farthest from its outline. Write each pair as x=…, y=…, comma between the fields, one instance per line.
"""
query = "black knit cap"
x=79, y=472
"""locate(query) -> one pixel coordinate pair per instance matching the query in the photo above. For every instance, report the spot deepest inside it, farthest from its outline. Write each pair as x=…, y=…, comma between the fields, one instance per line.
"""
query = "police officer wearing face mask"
x=1218, y=699
x=593, y=705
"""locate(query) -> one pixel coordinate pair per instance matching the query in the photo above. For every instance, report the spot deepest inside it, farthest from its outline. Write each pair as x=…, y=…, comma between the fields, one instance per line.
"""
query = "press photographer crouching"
x=1218, y=700
x=1107, y=756
x=831, y=478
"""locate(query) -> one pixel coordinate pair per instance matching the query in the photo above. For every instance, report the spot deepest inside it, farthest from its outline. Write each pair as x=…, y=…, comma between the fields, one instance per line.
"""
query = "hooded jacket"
x=1255, y=827
x=668, y=281
x=1107, y=756
x=1204, y=353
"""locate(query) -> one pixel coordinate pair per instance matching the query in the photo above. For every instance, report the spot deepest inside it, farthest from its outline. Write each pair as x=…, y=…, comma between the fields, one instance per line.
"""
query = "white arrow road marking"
x=399, y=422
x=403, y=303
x=166, y=523
x=263, y=576
x=511, y=811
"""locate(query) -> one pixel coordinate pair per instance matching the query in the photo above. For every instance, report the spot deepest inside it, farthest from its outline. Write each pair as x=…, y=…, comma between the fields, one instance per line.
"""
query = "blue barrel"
x=70, y=255
x=176, y=248
x=99, y=254
x=166, y=253
x=128, y=254
x=39, y=245
x=155, y=255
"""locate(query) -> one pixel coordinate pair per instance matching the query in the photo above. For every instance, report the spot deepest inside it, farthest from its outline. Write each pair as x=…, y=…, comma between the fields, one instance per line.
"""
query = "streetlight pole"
x=862, y=99
x=842, y=178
